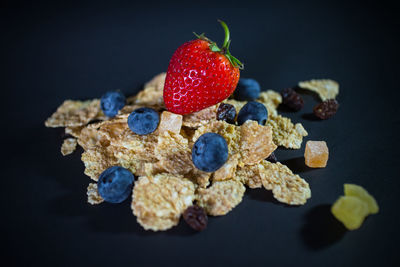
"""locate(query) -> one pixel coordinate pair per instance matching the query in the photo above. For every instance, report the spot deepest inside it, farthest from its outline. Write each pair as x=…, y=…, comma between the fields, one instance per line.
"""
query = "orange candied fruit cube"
x=316, y=154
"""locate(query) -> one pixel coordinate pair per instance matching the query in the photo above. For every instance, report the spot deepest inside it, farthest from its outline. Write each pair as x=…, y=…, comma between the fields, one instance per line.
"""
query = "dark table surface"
x=52, y=52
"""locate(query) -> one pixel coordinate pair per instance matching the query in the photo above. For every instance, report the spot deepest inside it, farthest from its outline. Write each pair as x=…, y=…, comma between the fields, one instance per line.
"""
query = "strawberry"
x=200, y=74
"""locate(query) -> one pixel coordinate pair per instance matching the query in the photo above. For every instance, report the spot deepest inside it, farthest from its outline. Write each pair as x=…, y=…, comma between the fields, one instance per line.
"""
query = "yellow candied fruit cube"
x=359, y=192
x=351, y=211
x=170, y=122
x=316, y=154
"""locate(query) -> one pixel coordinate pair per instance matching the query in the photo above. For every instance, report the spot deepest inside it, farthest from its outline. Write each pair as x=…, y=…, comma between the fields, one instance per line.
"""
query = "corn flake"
x=74, y=131
x=127, y=109
x=201, y=178
x=152, y=94
x=93, y=194
x=98, y=159
x=256, y=142
x=228, y=169
x=271, y=100
x=326, y=89
x=141, y=147
x=173, y=153
x=91, y=138
x=127, y=159
x=74, y=113
x=221, y=197
x=200, y=118
x=158, y=201
x=249, y=175
x=286, y=187
x=68, y=146
x=285, y=133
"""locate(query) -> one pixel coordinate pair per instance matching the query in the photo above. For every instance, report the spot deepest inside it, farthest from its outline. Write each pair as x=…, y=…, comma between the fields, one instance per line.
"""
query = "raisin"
x=272, y=158
x=196, y=217
x=226, y=112
x=326, y=109
x=292, y=99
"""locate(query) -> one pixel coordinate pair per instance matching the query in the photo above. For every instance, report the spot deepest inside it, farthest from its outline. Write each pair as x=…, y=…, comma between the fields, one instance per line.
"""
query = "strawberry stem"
x=225, y=46
x=227, y=35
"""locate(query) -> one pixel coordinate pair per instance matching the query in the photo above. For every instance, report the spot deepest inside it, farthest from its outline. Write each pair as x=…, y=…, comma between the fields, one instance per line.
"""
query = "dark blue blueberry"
x=111, y=103
x=209, y=152
x=115, y=184
x=247, y=90
x=143, y=121
x=253, y=111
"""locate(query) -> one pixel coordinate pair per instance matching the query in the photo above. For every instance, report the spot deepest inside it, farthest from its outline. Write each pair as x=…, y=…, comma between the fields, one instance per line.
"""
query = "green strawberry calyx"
x=225, y=46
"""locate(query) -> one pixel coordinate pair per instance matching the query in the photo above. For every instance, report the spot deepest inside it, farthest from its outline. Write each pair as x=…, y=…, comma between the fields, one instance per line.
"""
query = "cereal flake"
x=325, y=88
x=285, y=133
x=74, y=113
x=127, y=159
x=142, y=147
x=74, y=131
x=271, y=100
x=249, y=175
x=221, y=197
x=93, y=194
x=256, y=142
x=201, y=178
x=152, y=94
x=286, y=187
x=97, y=159
x=228, y=169
x=200, y=118
x=68, y=146
x=158, y=201
x=173, y=153
x=91, y=138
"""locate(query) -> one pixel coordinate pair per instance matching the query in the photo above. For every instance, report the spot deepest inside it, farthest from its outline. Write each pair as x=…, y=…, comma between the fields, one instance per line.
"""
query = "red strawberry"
x=200, y=74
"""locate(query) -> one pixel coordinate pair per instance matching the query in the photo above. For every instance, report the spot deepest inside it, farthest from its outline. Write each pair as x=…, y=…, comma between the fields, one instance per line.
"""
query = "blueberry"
x=209, y=152
x=143, y=121
x=253, y=111
x=115, y=184
x=111, y=102
x=247, y=90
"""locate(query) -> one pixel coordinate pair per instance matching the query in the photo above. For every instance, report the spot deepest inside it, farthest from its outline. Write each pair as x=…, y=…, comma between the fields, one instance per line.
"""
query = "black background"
x=52, y=52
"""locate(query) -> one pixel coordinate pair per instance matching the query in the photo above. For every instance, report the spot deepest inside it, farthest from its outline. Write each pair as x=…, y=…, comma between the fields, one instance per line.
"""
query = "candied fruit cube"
x=316, y=154
x=359, y=192
x=351, y=211
x=170, y=122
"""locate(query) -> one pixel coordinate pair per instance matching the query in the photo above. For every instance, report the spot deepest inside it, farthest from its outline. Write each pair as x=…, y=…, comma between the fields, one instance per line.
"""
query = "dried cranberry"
x=272, y=158
x=196, y=217
x=226, y=112
x=292, y=99
x=326, y=109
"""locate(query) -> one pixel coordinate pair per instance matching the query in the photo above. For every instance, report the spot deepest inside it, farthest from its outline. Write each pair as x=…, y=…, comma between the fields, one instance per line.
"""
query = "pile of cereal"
x=195, y=137
x=168, y=184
